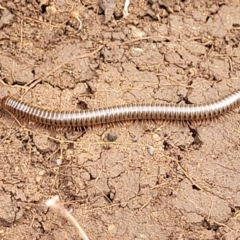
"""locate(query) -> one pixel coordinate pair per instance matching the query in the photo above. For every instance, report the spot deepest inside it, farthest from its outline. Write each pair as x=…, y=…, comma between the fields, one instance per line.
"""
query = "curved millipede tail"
x=170, y=112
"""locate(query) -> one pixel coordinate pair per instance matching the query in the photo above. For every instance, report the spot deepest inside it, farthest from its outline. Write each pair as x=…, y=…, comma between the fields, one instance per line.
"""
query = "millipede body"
x=171, y=112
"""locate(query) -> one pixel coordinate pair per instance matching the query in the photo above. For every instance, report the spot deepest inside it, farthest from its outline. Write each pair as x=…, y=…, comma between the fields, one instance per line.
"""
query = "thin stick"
x=56, y=205
x=21, y=37
x=125, y=10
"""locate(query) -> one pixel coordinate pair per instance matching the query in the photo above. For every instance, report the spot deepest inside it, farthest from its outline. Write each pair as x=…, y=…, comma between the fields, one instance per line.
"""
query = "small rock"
x=150, y=150
x=38, y=179
x=59, y=161
x=41, y=173
x=111, y=137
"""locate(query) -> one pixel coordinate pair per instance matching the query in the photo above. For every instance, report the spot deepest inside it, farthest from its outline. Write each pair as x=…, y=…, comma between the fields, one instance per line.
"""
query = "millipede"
x=83, y=118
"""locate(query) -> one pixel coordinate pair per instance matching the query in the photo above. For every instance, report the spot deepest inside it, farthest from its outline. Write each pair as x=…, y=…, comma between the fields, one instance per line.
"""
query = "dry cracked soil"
x=138, y=180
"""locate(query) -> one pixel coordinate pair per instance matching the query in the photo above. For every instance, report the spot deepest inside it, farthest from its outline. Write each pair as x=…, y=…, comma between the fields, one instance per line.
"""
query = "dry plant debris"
x=57, y=206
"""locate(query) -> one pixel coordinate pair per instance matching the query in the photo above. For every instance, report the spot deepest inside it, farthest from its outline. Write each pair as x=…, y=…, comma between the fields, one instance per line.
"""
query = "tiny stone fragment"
x=150, y=150
x=41, y=173
x=59, y=161
x=111, y=137
x=38, y=179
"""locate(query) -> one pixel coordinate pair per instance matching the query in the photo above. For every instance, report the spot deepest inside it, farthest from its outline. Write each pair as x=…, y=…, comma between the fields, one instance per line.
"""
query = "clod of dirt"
x=137, y=32
x=51, y=10
x=167, y=3
x=108, y=7
x=8, y=212
x=6, y=17
x=43, y=143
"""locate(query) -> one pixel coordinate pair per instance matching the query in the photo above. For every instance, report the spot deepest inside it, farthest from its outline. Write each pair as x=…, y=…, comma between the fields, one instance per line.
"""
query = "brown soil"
x=155, y=181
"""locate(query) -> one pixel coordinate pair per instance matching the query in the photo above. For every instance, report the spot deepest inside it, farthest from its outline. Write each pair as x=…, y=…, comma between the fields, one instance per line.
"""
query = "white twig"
x=56, y=205
x=75, y=14
x=125, y=9
x=80, y=23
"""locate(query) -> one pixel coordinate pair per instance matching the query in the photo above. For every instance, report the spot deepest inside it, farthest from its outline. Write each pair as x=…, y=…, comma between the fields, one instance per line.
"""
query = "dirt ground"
x=155, y=181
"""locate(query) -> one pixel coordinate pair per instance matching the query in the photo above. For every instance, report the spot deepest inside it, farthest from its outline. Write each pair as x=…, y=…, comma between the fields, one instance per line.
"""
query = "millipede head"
x=3, y=102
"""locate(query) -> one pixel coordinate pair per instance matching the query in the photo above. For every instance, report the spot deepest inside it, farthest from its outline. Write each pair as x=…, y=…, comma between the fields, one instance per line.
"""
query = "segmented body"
x=171, y=112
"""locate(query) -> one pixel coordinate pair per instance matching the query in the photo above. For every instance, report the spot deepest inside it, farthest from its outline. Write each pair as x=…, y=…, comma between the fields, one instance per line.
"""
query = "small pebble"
x=156, y=137
x=41, y=173
x=150, y=150
x=59, y=161
x=134, y=139
x=111, y=137
x=38, y=179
